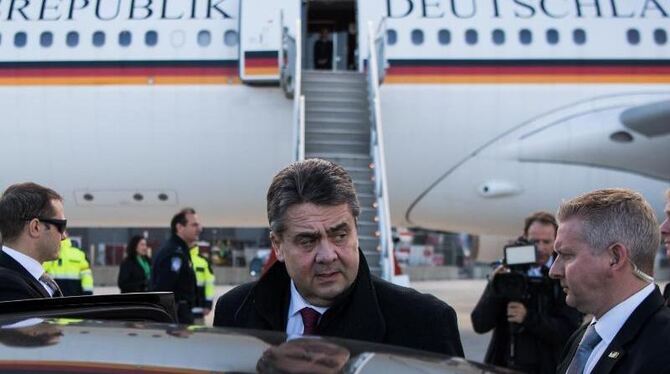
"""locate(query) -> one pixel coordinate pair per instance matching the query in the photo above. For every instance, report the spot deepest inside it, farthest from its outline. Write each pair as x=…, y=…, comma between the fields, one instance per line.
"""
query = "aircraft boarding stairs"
x=337, y=128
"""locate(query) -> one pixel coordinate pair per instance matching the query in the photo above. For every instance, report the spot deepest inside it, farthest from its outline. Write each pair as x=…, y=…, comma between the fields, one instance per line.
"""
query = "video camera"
x=516, y=285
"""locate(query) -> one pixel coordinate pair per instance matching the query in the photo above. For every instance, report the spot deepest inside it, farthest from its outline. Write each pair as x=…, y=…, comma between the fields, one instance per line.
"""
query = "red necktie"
x=310, y=318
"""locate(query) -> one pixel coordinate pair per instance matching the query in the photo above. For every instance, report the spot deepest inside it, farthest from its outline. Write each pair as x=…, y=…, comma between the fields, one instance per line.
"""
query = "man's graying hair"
x=616, y=216
x=315, y=181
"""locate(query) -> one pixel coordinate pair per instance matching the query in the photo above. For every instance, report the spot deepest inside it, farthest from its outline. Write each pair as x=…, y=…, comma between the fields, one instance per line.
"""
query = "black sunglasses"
x=60, y=224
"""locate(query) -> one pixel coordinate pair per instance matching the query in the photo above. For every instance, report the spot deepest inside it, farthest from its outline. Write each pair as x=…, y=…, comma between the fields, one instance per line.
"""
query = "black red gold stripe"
x=528, y=71
x=119, y=72
x=261, y=63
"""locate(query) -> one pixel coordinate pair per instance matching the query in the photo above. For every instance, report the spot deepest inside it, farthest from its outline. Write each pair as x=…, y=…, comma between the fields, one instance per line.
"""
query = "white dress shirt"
x=611, y=322
x=30, y=264
x=294, y=324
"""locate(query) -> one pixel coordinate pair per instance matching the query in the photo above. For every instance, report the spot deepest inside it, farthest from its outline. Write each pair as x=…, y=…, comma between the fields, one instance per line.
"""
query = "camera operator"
x=525, y=308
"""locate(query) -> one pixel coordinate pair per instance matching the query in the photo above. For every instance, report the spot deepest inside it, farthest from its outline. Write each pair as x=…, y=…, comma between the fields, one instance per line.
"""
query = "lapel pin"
x=613, y=354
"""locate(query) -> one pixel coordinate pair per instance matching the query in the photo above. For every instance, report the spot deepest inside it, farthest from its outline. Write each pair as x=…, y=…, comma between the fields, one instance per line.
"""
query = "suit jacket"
x=371, y=310
x=641, y=346
x=16, y=282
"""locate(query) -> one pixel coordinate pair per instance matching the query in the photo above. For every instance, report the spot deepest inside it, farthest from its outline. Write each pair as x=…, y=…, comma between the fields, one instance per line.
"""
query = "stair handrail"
x=298, y=98
x=380, y=45
x=377, y=153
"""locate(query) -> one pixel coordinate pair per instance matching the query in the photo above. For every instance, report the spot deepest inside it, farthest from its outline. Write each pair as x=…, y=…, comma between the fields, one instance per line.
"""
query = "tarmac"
x=462, y=295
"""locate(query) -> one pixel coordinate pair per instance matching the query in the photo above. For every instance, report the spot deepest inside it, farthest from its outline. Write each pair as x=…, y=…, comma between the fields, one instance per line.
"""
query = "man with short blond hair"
x=606, y=243
x=32, y=225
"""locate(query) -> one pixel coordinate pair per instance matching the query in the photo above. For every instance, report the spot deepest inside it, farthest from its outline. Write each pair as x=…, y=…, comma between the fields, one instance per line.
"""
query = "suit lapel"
x=571, y=348
x=8, y=262
x=617, y=349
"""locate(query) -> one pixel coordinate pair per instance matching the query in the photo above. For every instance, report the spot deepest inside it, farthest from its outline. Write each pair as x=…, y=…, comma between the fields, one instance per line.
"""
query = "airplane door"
x=260, y=36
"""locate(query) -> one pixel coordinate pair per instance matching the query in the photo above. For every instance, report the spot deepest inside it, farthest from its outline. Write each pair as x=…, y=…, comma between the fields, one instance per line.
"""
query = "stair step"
x=356, y=147
x=367, y=214
x=343, y=159
x=335, y=75
x=330, y=137
x=341, y=89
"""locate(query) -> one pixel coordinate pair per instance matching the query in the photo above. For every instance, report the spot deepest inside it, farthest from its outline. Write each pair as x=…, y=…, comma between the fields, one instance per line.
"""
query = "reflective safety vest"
x=204, y=277
x=71, y=270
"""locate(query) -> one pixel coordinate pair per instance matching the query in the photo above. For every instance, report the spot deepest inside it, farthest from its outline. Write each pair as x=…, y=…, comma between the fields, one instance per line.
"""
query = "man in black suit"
x=606, y=244
x=321, y=284
x=32, y=225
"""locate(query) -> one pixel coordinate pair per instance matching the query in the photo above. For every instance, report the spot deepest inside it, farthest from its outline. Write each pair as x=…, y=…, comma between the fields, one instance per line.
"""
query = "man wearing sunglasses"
x=32, y=225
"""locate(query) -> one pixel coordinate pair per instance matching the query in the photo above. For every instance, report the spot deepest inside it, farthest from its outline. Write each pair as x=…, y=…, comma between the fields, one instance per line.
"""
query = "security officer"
x=204, y=277
x=172, y=269
x=71, y=270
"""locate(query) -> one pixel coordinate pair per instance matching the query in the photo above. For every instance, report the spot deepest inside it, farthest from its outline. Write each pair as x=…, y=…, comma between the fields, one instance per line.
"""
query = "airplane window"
x=498, y=36
x=579, y=36
x=633, y=36
x=391, y=36
x=125, y=38
x=417, y=37
x=552, y=36
x=230, y=38
x=471, y=36
x=151, y=38
x=46, y=39
x=98, y=38
x=525, y=36
x=204, y=38
x=72, y=39
x=20, y=39
x=660, y=36
x=444, y=37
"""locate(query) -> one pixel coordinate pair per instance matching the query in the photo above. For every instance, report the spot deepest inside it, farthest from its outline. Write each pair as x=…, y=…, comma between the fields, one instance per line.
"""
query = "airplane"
x=490, y=109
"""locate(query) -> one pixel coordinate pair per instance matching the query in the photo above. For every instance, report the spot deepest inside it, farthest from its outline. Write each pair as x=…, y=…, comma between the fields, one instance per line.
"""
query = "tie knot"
x=51, y=283
x=310, y=318
x=591, y=337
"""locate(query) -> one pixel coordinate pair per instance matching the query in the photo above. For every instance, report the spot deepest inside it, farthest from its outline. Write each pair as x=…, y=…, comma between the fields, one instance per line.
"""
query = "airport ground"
x=461, y=294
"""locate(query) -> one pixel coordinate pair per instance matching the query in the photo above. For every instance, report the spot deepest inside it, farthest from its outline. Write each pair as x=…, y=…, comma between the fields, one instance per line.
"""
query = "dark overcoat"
x=370, y=310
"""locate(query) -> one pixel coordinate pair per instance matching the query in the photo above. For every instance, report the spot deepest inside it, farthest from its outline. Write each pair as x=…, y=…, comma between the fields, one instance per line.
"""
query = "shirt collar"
x=611, y=322
x=298, y=303
x=30, y=264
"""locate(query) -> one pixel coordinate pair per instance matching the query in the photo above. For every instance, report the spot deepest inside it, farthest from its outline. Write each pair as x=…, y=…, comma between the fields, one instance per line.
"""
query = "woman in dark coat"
x=135, y=271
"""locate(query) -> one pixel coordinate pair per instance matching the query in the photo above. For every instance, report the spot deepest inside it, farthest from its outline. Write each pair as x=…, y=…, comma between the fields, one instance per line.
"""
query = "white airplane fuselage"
x=477, y=134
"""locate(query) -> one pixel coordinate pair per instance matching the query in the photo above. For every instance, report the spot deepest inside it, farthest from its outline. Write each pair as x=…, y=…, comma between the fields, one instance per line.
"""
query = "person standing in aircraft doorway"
x=323, y=51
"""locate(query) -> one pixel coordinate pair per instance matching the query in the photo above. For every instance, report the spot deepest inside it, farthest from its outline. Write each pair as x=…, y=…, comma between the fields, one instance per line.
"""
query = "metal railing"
x=291, y=82
x=377, y=63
